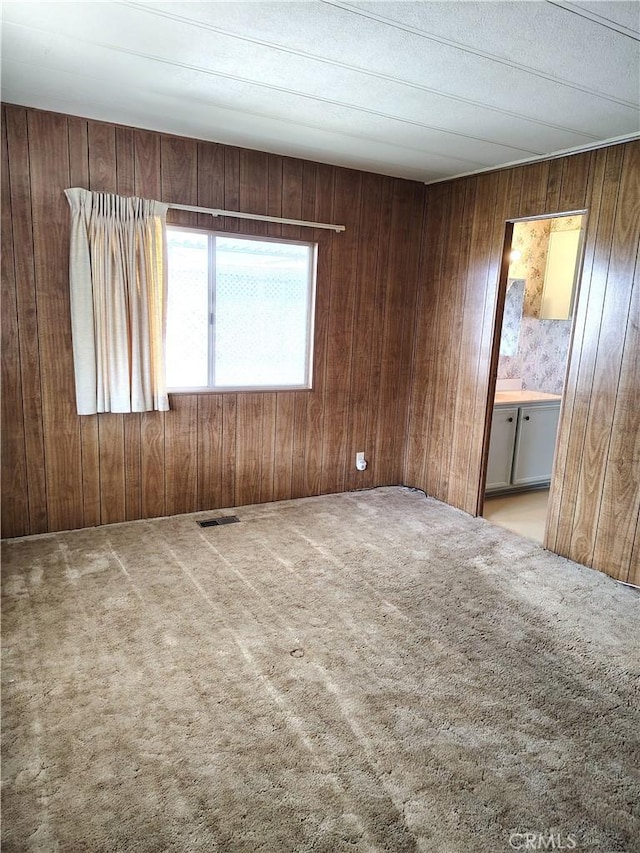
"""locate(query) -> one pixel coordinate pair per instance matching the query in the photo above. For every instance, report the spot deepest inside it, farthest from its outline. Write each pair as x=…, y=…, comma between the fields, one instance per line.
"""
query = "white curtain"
x=118, y=281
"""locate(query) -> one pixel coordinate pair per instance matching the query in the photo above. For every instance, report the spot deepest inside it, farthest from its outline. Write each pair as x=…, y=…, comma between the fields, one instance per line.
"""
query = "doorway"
x=538, y=292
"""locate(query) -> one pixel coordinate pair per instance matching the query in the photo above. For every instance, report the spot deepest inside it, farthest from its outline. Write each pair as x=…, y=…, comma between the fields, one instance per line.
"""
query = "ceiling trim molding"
x=566, y=152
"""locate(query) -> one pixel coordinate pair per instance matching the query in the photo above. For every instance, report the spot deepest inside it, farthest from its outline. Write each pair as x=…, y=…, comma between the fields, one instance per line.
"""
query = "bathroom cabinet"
x=563, y=257
x=522, y=445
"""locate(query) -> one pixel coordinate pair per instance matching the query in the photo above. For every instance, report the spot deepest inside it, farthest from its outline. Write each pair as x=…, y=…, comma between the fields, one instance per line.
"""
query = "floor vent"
x=216, y=522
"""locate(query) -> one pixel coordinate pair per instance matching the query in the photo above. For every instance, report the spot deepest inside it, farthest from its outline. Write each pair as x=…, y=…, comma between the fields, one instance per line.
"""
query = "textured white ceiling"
x=421, y=90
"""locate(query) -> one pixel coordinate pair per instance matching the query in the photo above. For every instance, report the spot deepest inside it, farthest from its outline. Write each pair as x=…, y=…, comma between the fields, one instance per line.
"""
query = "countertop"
x=519, y=398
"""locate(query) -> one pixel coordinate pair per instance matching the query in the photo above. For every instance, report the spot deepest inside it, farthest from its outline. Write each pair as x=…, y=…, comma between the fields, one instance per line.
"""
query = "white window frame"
x=310, y=320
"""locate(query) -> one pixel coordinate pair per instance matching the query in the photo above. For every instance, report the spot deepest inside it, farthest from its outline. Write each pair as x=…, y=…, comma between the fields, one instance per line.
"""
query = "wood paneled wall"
x=595, y=494
x=211, y=450
x=406, y=306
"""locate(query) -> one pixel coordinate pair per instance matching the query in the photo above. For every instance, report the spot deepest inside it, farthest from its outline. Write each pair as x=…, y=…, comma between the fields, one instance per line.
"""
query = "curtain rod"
x=256, y=216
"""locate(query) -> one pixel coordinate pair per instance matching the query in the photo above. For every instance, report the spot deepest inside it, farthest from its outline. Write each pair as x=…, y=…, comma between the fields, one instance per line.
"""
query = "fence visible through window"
x=240, y=311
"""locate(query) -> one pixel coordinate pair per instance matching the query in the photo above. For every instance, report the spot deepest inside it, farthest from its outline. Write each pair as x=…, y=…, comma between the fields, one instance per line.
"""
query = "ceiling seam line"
x=282, y=89
x=600, y=20
x=534, y=72
x=354, y=68
x=310, y=126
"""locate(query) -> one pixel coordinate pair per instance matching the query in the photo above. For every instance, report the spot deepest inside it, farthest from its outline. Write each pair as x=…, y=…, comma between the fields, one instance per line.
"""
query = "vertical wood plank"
x=209, y=451
x=269, y=402
x=125, y=162
x=392, y=371
x=179, y=170
x=252, y=198
x=181, y=454
x=132, y=466
x=229, y=418
x=533, y=195
x=476, y=284
x=152, y=464
x=418, y=453
x=291, y=194
x=582, y=362
x=274, y=193
x=300, y=477
x=620, y=498
x=407, y=234
x=112, y=468
x=248, y=448
x=253, y=189
x=363, y=321
x=295, y=175
x=148, y=184
x=179, y=179
x=102, y=157
x=564, y=475
x=231, y=187
x=146, y=164
x=103, y=178
x=210, y=175
x=49, y=167
x=554, y=186
x=268, y=447
x=447, y=472
x=125, y=181
x=300, y=473
x=513, y=204
x=283, y=459
x=339, y=342
x=482, y=409
x=292, y=197
x=15, y=499
x=575, y=182
x=372, y=374
x=230, y=401
x=19, y=184
x=314, y=438
x=609, y=344
x=79, y=177
x=378, y=375
x=450, y=229
x=179, y=174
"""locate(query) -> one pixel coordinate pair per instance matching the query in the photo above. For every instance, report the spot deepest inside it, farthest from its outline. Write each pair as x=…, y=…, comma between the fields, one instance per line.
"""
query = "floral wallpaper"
x=540, y=359
x=512, y=317
x=531, y=240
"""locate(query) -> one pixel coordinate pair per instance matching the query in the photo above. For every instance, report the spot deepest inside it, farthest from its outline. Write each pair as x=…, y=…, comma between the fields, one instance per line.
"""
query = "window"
x=239, y=312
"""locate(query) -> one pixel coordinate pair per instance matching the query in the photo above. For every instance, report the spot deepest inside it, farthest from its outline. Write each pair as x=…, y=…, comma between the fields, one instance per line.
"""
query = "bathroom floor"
x=524, y=513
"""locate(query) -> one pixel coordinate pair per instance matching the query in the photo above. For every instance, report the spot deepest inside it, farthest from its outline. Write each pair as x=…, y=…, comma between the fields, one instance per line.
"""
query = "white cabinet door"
x=503, y=434
x=535, y=444
x=560, y=275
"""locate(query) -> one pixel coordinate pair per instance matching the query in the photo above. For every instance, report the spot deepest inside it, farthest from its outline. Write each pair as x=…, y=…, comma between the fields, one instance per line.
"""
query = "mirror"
x=563, y=255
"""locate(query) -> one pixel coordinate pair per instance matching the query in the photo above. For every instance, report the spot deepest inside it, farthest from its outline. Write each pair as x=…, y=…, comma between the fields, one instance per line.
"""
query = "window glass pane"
x=187, y=309
x=261, y=313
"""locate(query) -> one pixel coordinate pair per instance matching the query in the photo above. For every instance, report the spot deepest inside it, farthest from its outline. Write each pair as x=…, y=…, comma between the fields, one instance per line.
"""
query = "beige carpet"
x=371, y=671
